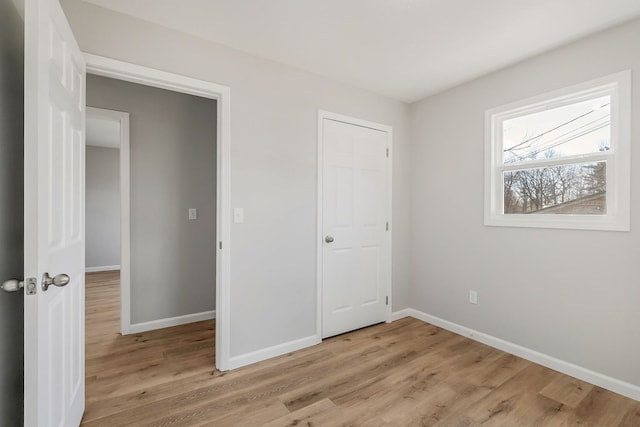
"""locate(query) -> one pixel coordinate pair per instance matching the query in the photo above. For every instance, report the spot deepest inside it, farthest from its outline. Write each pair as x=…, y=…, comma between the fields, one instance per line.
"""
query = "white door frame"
x=322, y=114
x=125, y=221
x=112, y=68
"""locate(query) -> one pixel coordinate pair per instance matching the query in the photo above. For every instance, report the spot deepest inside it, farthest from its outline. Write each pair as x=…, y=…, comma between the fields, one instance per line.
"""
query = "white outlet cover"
x=193, y=214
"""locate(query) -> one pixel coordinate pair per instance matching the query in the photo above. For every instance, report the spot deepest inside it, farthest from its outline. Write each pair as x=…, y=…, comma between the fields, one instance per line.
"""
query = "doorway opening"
x=169, y=238
x=185, y=208
x=107, y=202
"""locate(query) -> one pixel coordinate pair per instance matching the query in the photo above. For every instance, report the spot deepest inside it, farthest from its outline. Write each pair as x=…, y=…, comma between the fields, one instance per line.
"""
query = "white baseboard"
x=601, y=380
x=103, y=268
x=397, y=315
x=171, y=321
x=276, y=350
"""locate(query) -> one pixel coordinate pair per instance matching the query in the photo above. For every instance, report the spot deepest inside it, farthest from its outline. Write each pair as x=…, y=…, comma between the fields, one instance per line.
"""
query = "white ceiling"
x=102, y=132
x=404, y=49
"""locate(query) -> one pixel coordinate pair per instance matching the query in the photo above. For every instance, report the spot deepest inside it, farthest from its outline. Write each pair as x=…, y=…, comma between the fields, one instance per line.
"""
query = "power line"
x=554, y=142
x=588, y=131
x=555, y=128
x=551, y=141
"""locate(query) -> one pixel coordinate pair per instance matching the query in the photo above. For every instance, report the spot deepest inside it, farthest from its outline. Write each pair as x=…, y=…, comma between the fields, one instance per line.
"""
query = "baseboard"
x=276, y=350
x=617, y=386
x=171, y=321
x=397, y=315
x=103, y=268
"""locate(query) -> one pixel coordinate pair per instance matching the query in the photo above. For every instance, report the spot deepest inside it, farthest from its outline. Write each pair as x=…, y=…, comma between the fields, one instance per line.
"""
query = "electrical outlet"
x=473, y=297
x=193, y=214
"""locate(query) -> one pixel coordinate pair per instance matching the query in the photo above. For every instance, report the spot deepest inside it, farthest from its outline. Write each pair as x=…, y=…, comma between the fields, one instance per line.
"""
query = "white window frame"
x=618, y=157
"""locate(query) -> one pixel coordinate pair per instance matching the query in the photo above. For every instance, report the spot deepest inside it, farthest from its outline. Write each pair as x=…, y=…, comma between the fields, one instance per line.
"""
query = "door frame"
x=322, y=115
x=125, y=221
x=107, y=67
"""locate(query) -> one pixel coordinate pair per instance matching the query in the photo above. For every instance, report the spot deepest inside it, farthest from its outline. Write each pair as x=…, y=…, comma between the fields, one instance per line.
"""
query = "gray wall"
x=571, y=294
x=102, y=206
x=274, y=112
x=11, y=213
x=173, y=168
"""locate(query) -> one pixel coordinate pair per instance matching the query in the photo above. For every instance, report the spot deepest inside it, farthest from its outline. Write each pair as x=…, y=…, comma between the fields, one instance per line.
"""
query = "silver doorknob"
x=12, y=285
x=58, y=280
x=328, y=239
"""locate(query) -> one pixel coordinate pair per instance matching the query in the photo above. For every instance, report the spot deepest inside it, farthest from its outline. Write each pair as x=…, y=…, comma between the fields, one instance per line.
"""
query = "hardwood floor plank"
x=567, y=390
x=501, y=402
x=270, y=410
x=317, y=413
x=632, y=417
x=499, y=371
x=602, y=408
x=407, y=373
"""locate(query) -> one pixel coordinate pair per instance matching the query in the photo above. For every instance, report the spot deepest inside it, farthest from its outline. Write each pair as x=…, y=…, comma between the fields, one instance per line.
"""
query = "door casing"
x=120, y=70
x=322, y=115
x=125, y=246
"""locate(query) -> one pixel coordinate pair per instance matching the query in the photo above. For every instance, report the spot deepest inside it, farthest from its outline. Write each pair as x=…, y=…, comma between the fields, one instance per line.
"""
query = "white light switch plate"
x=238, y=215
x=473, y=297
x=193, y=214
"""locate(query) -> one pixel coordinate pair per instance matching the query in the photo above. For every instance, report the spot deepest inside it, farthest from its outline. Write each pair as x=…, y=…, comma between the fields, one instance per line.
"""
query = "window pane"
x=569, y=189
x=580, y=128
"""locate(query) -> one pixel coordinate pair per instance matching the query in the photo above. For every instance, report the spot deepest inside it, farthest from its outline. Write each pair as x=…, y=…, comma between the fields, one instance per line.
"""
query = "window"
x=561, y=160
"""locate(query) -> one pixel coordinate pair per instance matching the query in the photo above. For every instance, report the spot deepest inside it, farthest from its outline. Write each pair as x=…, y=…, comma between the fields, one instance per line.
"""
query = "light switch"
x=193, y=214
x=238, y=215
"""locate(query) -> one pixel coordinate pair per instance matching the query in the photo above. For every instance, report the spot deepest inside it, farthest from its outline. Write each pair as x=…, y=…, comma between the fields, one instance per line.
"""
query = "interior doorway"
x=161, y=147
x=107, y=201
x=169, y=276
x=107, y=67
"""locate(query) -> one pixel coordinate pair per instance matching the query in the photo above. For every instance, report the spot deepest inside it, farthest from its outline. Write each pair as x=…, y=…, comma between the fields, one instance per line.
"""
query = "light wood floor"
x=407, y=373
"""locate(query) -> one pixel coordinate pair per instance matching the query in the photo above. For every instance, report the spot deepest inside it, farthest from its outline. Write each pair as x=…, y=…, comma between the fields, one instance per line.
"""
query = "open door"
x=54, y=219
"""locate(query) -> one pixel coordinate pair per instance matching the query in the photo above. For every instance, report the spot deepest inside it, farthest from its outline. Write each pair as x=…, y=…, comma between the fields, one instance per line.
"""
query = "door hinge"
x=387, y=152
x=387, y=225
x=220, y=245
x=387, y=302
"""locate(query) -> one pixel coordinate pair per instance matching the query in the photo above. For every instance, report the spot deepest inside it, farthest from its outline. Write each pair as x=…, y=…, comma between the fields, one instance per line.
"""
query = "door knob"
x=59, y=280
x=12, y=285
x=328, y=239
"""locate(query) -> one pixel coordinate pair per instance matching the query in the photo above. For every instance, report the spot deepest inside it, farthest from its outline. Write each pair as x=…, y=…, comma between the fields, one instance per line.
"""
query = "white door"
x=53, y=218
x=355, y=245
